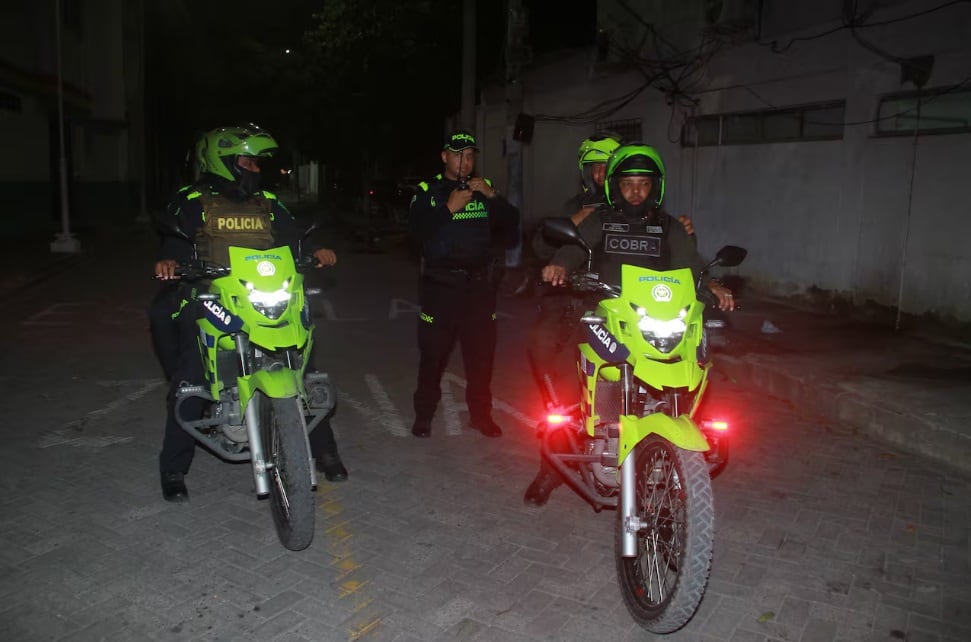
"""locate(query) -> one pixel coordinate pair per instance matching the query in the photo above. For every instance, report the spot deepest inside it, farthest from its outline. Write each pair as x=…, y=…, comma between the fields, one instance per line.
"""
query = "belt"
x=469, y=274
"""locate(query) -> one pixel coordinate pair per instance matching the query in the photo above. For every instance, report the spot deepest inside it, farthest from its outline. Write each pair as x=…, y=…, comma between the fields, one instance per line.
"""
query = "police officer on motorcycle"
x=226, y=206
x=629, y=228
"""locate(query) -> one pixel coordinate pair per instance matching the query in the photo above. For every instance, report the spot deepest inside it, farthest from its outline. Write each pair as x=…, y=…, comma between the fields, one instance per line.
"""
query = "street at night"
x=821, y=534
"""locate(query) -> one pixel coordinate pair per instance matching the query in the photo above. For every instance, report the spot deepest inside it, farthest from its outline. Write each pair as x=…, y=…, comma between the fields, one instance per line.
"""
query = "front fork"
x=252, y=417
x=628, y=477
x=261, y=477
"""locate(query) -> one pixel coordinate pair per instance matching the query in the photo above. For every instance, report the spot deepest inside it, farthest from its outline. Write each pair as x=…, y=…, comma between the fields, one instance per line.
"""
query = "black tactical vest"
x=640, y=242
x=241, y=224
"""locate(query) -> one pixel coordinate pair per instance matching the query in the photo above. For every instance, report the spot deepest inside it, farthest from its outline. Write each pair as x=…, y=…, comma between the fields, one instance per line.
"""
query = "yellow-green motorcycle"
x=635, y=442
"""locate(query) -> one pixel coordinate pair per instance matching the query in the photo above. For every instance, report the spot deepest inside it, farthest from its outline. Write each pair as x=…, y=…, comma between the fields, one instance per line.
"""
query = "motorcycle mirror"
x=562, y=230
x=310, y=230
x=730, y=255
x=169, y=225
x=313, y=228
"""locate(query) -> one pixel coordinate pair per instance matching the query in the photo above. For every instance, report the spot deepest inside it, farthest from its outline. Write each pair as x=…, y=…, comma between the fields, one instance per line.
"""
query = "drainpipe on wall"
x=514, y=105
x=64, y=242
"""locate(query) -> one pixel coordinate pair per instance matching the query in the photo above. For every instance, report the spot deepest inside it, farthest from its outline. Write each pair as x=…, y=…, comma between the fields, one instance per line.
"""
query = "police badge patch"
x=616, y=227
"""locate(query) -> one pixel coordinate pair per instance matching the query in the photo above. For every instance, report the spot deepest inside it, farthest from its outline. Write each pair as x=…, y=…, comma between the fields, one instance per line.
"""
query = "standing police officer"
x=459, y=219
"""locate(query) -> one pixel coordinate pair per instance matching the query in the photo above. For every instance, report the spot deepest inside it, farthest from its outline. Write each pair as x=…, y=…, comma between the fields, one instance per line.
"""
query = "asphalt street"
x=822, y=534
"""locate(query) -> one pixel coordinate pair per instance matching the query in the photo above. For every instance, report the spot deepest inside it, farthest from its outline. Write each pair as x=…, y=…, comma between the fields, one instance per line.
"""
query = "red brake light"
x=555, y=419
x=715, y=424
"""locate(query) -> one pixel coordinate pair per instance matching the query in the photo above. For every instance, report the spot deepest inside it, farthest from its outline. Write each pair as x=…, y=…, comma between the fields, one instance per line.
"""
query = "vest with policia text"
x=466, y=241
x=640, y=242
x=241, y=224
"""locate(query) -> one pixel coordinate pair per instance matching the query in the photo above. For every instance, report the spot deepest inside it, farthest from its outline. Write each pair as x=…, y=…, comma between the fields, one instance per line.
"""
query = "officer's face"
x=635, y=189
x=598, y=172
x=249, y=163
x=458, y=163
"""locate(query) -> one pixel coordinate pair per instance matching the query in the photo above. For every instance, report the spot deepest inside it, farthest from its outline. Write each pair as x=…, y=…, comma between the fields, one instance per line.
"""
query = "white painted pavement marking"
x=497, y=403
x=69, y=436
x=327, y=308
x=54, y=315
x=402, y=306
x=390, y=416
x=386, y=415
x=449, y=411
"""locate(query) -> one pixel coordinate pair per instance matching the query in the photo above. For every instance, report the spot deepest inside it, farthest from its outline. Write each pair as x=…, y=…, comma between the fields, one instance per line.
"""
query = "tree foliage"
x=381, y=75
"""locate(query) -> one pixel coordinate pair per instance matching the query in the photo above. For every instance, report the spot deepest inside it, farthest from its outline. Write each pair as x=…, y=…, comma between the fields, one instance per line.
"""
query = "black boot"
x=542, y=487
x=422, y=427
x=173, y=488
x=331, y=465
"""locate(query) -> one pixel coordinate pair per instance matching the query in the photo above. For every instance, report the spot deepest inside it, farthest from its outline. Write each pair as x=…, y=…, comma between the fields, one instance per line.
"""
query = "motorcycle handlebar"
x=198, y=269
x=587, y=282
x=306, y=262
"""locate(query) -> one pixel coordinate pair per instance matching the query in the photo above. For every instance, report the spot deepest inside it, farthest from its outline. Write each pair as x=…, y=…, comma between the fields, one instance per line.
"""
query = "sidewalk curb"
x=839, y=405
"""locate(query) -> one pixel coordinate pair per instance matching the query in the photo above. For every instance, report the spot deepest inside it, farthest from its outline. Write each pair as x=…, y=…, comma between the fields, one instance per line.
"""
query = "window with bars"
x=821, y=121
x=629, y=129
x=944, y=110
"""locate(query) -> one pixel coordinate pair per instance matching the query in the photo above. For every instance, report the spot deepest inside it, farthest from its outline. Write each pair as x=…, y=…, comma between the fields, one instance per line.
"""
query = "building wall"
x=869, y=217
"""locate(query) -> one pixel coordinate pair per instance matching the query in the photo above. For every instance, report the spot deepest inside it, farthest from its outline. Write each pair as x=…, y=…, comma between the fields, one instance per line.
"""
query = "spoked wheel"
x=288, y=465
x=664, y=583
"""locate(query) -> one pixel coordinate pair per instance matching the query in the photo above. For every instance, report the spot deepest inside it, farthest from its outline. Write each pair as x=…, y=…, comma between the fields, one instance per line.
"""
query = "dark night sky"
x=197, y=68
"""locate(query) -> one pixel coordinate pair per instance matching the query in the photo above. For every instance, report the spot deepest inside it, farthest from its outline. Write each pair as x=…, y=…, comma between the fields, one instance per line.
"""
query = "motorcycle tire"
x=288, y=464
x=664, y=583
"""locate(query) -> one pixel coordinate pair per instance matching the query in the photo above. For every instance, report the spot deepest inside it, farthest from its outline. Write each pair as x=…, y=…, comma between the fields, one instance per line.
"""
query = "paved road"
x=821, y=534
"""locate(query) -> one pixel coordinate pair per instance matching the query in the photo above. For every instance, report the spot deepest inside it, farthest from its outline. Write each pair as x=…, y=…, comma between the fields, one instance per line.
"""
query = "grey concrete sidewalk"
x=904, y=389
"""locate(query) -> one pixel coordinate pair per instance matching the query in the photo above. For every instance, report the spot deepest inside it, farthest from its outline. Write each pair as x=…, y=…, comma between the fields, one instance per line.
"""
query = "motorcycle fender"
x=680, y=431
x=278, y=384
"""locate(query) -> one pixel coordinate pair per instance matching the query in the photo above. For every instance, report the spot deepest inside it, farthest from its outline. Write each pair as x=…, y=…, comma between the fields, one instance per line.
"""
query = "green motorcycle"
x=635, y=442
x=255, y=338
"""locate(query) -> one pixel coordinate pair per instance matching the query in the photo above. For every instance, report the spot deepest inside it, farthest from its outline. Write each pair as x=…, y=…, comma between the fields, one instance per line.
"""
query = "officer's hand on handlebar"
x=325, y=257
x=726, y=301
x=555, y=274
x=165, y=270
x=458, y=199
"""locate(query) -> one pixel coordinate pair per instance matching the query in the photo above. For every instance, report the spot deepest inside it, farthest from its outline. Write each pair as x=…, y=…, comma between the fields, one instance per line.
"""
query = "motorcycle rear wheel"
x=664, y=583
x=288, y=465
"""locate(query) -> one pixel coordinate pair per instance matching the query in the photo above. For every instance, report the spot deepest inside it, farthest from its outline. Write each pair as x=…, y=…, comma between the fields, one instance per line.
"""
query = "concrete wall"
x=98, y=49
x=870, y=217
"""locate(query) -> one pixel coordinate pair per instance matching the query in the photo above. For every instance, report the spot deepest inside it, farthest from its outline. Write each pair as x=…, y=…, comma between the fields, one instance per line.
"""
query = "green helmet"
x=221, y=147
x=635, y=159
x=597, y=149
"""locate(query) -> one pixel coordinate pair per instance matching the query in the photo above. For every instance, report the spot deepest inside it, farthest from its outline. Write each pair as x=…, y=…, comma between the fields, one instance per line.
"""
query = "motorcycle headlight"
x=662, y=334
x=271, y=304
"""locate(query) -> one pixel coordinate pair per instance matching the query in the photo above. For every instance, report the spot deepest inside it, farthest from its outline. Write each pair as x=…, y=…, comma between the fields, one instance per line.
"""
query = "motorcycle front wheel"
x=664, y=583
x=288, y=465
